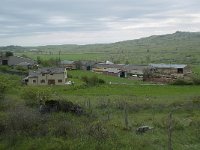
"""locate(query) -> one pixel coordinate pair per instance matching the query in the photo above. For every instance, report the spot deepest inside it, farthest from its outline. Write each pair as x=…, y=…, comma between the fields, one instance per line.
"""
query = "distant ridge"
x=179, y=47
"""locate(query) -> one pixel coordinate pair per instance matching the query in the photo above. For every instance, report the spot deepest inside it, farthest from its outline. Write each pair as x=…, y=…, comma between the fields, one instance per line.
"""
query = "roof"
x=167, y=66
x=46, y=71
x=66, y=62
x=23, y=64
x=128, y=68
x=135, y=67
x=103, y=65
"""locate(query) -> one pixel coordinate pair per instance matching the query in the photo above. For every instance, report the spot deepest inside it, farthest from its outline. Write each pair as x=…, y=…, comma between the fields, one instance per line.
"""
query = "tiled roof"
x=46, y=71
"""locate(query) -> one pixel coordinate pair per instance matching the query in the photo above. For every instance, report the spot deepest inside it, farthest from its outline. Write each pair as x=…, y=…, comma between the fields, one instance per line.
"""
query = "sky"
x=53, y=22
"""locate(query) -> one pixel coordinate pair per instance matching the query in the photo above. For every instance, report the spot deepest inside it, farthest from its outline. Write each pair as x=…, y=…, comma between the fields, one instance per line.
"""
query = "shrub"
x=182, y=82
x=69, y=75
x=196, y=80
x=98, y=131
x=3, y=89
x=34, y=95
x=22, y=120
x=8, y=53
x=2, y=127
x=65, y=129
x=4, y=68
x=20, y=68
x=92, y=81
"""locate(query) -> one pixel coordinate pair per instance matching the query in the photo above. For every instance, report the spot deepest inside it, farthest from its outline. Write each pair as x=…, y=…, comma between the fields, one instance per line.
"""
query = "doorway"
x=51, y=82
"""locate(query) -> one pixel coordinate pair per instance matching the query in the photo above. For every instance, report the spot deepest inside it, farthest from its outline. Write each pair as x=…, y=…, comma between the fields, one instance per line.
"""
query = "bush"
x=34, y=95
x=92, y=81
x=98, y=131
x=65, y=129
x=182, y=82
x=4, y=68
x=20, y=68
x=8, y=53
x=2, y=127
x=3, y=89
x=196, y=80
x=23, y=120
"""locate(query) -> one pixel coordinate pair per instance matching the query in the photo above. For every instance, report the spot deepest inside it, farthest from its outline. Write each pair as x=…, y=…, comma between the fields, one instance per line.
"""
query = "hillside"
x=179, y=47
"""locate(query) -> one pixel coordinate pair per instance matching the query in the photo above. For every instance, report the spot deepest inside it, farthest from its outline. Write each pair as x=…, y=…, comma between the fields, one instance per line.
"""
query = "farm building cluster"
x=58, y=75
x=47, y=76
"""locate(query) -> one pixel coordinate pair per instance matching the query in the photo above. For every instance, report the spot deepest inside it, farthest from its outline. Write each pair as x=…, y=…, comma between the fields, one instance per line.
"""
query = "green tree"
x=9, y=54
x=39, y=60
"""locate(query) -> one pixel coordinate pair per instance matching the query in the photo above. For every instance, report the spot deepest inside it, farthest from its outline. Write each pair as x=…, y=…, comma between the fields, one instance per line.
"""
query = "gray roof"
x=46, y=71
x=124, y=67
x=66, y=62
x=135, y=67
x=104, y=65
x=176, y=66
x=23, y=64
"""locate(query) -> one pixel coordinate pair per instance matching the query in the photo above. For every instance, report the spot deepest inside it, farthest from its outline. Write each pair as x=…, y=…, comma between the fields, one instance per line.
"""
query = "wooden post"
x=170, y=132
x=125, y=116
x=108, y=110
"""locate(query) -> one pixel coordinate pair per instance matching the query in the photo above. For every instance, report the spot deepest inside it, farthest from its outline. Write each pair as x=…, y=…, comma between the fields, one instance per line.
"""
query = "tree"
x=39, y=60
x=9, y=54
x=147, y=73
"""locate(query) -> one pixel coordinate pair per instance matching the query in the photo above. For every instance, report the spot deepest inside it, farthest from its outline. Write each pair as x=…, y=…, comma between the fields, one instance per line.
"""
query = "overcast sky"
x=48, y=22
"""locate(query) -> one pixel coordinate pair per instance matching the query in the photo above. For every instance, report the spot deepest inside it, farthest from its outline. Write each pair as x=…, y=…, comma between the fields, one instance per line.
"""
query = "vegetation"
x=114, y=109
x=33, y=96
x=92, y=81
x=113, y=113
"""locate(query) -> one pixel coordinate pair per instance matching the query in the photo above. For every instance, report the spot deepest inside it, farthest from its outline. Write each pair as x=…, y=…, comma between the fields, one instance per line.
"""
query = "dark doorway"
x=4, y=62
x=122, y=74
x=51, y=82
x=180, y=70
x=88, y=67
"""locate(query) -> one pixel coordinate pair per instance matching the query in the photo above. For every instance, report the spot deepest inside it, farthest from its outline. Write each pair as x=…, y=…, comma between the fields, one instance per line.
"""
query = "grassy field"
x=22, y=127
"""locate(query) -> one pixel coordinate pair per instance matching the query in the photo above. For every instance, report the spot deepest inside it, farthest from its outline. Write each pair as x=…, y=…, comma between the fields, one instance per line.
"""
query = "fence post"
x=125, y=115
x=170, y=132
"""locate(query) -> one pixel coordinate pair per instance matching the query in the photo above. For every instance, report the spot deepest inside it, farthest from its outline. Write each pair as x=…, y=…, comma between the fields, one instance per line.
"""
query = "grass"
x=147, y=105
x=77, y=74
x=180, y=47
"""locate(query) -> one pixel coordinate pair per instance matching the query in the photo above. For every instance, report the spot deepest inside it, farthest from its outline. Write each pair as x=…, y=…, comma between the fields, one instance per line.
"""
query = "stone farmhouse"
x=47, y=76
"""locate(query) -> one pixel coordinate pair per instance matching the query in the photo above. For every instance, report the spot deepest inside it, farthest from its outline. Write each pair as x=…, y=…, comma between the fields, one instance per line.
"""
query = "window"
x=59, y=81
x=42, y=81
x=34, y=81
x=43, y=74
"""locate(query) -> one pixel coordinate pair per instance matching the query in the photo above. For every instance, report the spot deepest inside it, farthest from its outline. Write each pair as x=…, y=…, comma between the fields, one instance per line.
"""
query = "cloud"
x=40, y=22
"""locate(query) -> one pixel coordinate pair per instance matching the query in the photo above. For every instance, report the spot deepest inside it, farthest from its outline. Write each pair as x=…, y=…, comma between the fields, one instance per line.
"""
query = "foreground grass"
x=148, y=105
